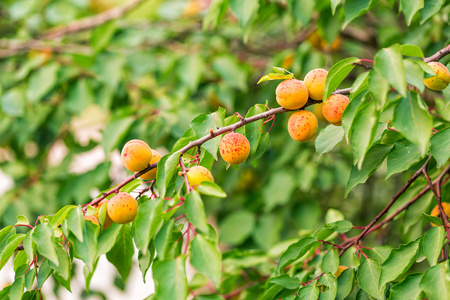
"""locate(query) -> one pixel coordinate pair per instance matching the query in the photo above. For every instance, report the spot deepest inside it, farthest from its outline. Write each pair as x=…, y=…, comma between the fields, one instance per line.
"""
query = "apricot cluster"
x=137, y=155
x=294, y=94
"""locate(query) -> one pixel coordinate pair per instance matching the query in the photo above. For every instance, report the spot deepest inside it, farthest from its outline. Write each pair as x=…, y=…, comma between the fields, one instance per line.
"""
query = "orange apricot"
x=92, y=219
x=334, y=107
x=292, y=94
x=198, y=174
x=435, y=211
x=317, y=110
x=315, y=82
x=234, y=148
x=340, y=270
x=122, y=208
x=152, y=173
x=108, y=222
x=442, y=78
x=136, y=155
x=302, y=125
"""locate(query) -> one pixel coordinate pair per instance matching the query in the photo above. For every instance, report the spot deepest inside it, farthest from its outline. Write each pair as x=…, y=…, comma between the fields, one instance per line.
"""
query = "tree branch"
x=438, y=55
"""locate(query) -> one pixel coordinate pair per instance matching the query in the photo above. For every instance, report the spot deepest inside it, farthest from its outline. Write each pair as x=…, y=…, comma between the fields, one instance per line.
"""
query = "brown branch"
x=442, y=213
x=438, y=55
x=13, y=47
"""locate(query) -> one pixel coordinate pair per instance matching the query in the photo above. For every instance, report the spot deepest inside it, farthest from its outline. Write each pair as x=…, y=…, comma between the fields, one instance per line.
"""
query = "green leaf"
x=302, y=10
x=6, y=233
x=262, y=146
x=337, y=74
x=8, y=250
x=330, y=261
x=412, y=50
x=231, y=71
x=170, y=279
x=145, y=260
x=102, y=35
x=75, y=222
x=310, y=292
x=88, y=274
x=109, y=68
x=435, y=220
x=374, y=158
x=207, y=258
x=350, y=112
x=361, y=83
x=402, y=157
x=407, y=289
x=430, y=8
x=379, y=88
x=43, y=237
x=42, y=81
x=166, y=169
x=115, y=131
x=64, y=268
x=282, y=184
x=148, y=219
x=275, y=76
x=381, y=253
x=190, y=70
x=236, y=227
x=414, y=74
x=86, y=250
x=296, y=251
x=254, y=130
x=121, y=254
x=440, y=146
x=412, y=119
x=368, y=276
x=389, y=63
x=211, y=189
x=13, y=102
x=22, y=220
x=216, y=11
x=163, y=240
x=356, y=8
x=61, y=215
x=44, y=272
x=334, y=4
x=329, y=281
x=341, y=226
x=79, y=96
x=410, y=8
x=435, y=282
x=327, y=139
x=195, y=211
x=286, y=281
x=107, y=238
x=345, y=283
x=244, y=10
x=432, y=242
x=16, y=291
x=28, y=246
x=398, y=262
x=202, y=126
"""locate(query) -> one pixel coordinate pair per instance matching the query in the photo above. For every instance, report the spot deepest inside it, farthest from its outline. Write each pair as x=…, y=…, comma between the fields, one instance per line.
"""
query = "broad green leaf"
x=350, y=112
x=109, y=67
x=206, y=258
x=61, y=215
x=268, y=230
x=16, y=291
x=6, y=233
x=440, y=146
x=86, y=250
x=148, y=219
x=330, y=282
x=211, y=189
x=330, y=261
x=275, y=76
x=432, y=219
x=115, y=131
x=236, y=227
x=374, y=158
x=334, y=4
x=389, y=64
x=341, y=226
x=282, y=184
x=44, y=272
x=43, y=238
x=412, y=50
x=435, y=282
x=430, y=8
x=295, y=251
x=42, y=81
x=163, y=240
x=356, y=8
x=216, y=11
x=64, y=268
x=345, y=283
x=145, y=260
x=244, y=10
x=414, y=74
x=231, y=71
x=102, y=35
x=254, y=130
x=28, y=246
x=79, y=96
x=410, y=8
x=286, y=281
x=10, y=247
x=22, y=220
x=412, y=119
x=379, y=88
x=262, y=146
x=190, y=70
x=398, y=262
x=413, y=214
x=407, y=289
x=13, y=102
x=20, y=260
x=302, y=10
x=75, y=222
x=121, y=254
x=310, y=292
x=402, y=157
x=107, y=238
x=195, y=211
x=166, y=169
x=368, y=276
x=337, y=74
x=271, y=291
x=361, y=83
x=88, y=274
x=327, y=139
x=432, y=242
x=170, y=279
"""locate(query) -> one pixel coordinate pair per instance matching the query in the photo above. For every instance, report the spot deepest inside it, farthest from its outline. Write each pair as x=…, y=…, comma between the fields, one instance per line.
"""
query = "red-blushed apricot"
x=340, y=270
x=292, y=94
x=435, y=211
x=122, y=208
x=152, y=173
x=136, y=155
x=315, y=82
x=234, y=148
x=334, y=108
x=92, y=219
x=302, y=125
x=108, y=222
x=198, y=174
x=442, y=78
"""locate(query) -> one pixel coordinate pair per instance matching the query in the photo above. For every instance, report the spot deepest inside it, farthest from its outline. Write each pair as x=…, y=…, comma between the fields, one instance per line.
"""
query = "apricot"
x=334, y=108
x=340, y=270
x=317, y=110
x=198, y=174
x=108, y=222
x=302, y=125
x=292, y=94
x=152, y=173
x=435, y=211
x=92, y=219
x=315, y=82
x=442, y=78
x=234, y=148
x=136, y=155
x=122, y=208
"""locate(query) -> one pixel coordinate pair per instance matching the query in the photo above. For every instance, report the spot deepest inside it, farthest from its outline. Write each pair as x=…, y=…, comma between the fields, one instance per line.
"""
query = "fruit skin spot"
x=302, y=125
x=198, y=174
x=136, y=155
x=292, y=94
x=334, y=107
x=442, y=78
x=315, y=82
x=234, y=148
x=117, y=211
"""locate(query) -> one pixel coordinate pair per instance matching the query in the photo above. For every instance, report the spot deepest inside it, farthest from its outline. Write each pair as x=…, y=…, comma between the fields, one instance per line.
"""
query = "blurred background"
x=71, y=99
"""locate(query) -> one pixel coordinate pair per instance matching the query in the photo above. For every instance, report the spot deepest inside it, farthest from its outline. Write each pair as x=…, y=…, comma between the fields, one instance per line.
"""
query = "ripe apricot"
x=92, y=219
x=198, y=174
x=122, y=208
x=234, y=148
x=302, y=125
x=108, y=222
x=317, y=110
x=292, y=94
x=340, y=270
x=442, y=78
x=315, y=82
x=334, y=108
x=136, y=155
x=152, y=173
x=435, y=211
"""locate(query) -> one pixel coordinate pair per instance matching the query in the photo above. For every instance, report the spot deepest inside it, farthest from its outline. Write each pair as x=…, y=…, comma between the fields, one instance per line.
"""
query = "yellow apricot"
x=152, y=173
x=302, y=125
x=435, y=211
x=234, y=148
x=340, y=270
x=317, y=110
x=198, y=174
x=136, y=155
x=122, y=208
x=442, y=78
x=108, y=222
x=92, y=219
x=334, y=108
x=292, y=94
x=315, y=82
